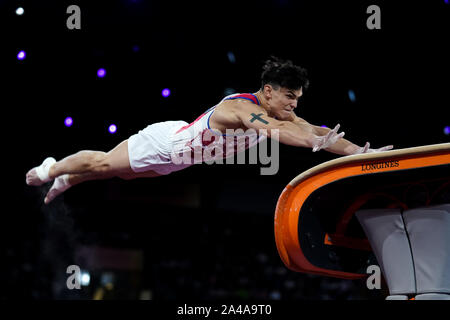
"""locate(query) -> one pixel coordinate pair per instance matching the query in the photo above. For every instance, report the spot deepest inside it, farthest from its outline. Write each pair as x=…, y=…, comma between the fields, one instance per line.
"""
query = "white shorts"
x=150, y=149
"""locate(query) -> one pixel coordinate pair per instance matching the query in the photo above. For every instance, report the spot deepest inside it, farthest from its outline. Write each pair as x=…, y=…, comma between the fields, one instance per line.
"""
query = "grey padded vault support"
x=412, y=248
x=386, y=233
x=429, y=235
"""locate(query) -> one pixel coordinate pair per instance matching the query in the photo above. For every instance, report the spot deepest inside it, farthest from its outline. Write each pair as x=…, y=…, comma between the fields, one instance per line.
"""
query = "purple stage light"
x=21, y=55
x=165, y=93
x=101, y=72
x=112, y=128
x=68, y=122
x=447, y=130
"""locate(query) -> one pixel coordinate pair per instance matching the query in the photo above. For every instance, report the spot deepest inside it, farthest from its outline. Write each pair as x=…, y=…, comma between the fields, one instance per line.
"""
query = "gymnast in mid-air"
x=156, y=150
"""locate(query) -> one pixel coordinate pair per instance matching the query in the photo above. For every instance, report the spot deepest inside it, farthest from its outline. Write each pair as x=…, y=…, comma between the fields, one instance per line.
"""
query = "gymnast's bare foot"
x=60, y=185
x=39, y=175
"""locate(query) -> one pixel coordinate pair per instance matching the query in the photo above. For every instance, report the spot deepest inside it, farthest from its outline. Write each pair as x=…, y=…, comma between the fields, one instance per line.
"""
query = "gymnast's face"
x=282, y=101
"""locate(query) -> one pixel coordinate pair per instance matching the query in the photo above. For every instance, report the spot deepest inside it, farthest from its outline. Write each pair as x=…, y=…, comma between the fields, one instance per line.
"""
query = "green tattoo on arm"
x=258, y=117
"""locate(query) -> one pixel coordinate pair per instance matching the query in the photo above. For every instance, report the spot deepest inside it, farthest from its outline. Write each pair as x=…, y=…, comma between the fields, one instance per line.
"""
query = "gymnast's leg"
x=84, y=166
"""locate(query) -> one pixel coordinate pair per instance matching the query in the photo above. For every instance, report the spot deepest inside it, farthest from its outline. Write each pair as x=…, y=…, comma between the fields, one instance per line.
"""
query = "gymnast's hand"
x=367, y=149
x=323, y=142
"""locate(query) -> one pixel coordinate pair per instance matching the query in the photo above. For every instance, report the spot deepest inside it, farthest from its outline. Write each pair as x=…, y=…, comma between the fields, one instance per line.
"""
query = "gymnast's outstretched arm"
x=342, y=146
x=286, y=131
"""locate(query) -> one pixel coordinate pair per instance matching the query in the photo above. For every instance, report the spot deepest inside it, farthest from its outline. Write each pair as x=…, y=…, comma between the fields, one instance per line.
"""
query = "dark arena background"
x=205, y=233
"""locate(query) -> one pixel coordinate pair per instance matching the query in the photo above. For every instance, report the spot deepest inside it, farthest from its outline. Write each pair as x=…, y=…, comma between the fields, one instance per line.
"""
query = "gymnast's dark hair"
x=283, y=73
